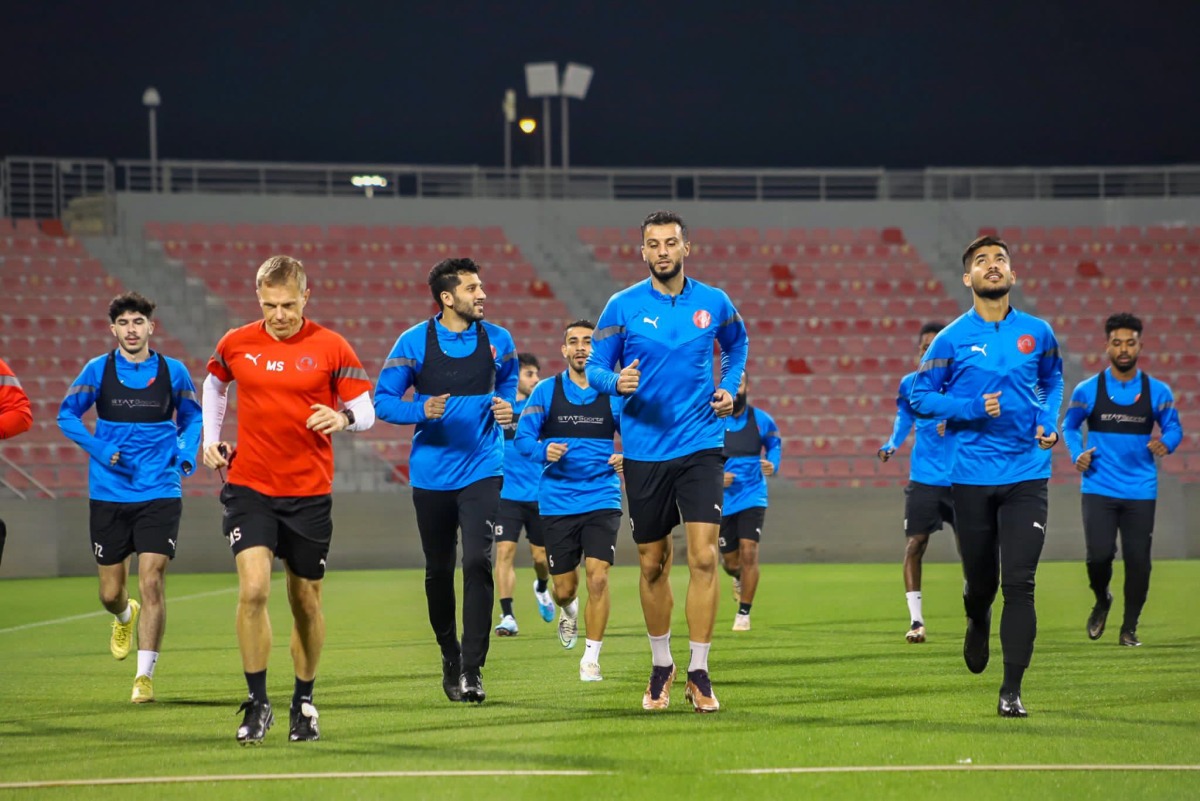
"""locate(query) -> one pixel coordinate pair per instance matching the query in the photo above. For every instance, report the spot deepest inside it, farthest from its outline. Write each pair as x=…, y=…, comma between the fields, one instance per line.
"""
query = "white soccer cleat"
x=741, y=622
x=590, y=671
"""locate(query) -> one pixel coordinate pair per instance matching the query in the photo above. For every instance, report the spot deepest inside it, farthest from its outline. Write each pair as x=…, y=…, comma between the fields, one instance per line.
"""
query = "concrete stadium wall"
x=378, y=530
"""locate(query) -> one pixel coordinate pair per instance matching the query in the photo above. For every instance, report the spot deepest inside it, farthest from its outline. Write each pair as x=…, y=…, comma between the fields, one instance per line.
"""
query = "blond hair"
x=279, y=270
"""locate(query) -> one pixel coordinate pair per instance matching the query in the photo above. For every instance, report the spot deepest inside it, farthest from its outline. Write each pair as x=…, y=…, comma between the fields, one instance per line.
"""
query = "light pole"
x=509, y=107
x=151, y=100
x=576, y=79
x=541, y=80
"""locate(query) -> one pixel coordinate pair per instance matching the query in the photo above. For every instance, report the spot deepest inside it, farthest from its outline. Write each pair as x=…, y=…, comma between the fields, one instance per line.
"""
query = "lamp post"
x=151, y=100
x=509, y=107
x=575, y=82
x=541, y=80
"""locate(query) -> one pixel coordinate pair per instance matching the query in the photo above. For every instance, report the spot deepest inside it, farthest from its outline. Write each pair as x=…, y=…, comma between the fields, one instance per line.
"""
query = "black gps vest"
x=746, y=441
x=1113, y=418
x=446, y=375
x=587, y=421
x=118, y=403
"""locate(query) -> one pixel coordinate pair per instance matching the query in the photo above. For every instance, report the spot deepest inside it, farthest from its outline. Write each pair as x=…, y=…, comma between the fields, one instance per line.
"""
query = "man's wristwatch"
x=349, y=417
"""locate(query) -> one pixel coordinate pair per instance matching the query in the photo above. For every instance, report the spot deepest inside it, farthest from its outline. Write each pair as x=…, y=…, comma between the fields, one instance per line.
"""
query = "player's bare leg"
x=914, y=552
x=253, y=622
x=748, y=559
x=654, y=586
x=152, y=579
x=702, y=600
x=308, y=624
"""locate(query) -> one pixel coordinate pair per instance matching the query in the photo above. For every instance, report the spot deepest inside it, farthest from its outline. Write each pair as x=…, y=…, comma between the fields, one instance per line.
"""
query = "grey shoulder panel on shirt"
x=607, y=331
x=930, y=364
x=399, y=361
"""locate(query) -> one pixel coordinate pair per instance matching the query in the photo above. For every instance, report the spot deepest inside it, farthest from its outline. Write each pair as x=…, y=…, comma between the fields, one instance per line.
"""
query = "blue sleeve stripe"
x=532, y=410
x=510, y=355
x=9, y=381
x=1050, y=354
x=605, y=333
x=1078, y=405
x=1166, y=405
x=188, y=394
x=773, y=433
x=351, y=372
x=932, y=364
x=75, y=390
x=736, y=318
x=399, y=361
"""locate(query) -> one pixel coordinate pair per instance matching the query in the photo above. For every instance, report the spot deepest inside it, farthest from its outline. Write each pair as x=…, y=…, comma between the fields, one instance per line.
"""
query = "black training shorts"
x=744, y=525
x=297, y=529
x=120, y=529
x=569, y=538
x=515, y=515
x=926, y=508
x=661, y=494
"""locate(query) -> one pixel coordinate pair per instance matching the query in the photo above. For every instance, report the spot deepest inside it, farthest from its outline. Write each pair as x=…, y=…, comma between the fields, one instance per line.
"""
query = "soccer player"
x=748, y=432
x=568, y=427
x=662, y=331
x=463, y=372
x=16, y=417
x=928, y=503
x=147, y=433
x=1120, y=405
x=278, y=498
x=519, y=509
x=995, y=376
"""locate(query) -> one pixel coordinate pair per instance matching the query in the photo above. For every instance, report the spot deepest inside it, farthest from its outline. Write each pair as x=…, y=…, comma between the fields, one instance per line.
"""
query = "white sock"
x=660, y=650
x=124, y=616
x=591, y=651
x=571, y=610
x=699, y=656
x=146, y=662
x=914, y=606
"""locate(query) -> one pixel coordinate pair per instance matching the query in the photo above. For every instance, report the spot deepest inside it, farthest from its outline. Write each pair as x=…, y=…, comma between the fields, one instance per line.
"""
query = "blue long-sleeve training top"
x=465, y=444
x=672, y=339
x=1017, y=357
x=521, y=473
x=928, y=464
x=153, y=454
x=749, y=486
x=582, y=480
x=1122, y=466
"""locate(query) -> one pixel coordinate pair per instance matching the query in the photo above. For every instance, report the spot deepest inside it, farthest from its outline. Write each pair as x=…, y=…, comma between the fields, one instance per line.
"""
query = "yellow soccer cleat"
x=122, y=633
x=143, y=690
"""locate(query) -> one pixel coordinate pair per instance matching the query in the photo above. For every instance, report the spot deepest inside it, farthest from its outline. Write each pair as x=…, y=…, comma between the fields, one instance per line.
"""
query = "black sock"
x=542, y=584
x=506, y=606
x=1013, y=674
x=303, y=692
x=743, y=608
x=256, y=683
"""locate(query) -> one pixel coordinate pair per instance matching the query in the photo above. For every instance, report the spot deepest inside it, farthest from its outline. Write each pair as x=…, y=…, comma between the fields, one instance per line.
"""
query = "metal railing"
x=34, y=187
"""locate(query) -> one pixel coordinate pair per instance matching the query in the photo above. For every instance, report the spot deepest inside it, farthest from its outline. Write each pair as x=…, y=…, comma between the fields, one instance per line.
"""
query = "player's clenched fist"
x=502, y=411
x=991, y=404
x=555, y=451
x=435, y=406
x=629, y=378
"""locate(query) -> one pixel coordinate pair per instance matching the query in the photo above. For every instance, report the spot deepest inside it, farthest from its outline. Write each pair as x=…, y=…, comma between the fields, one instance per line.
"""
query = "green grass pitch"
x=825, y=679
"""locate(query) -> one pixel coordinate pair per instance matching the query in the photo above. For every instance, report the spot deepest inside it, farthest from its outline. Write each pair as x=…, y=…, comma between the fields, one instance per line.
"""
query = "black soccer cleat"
x=1010, y=706
x=975, y=644
x=1098, y=617
x=304, y=726
x=471, y=685
x=451, y=676
x=258, y=719
x=1129, y=638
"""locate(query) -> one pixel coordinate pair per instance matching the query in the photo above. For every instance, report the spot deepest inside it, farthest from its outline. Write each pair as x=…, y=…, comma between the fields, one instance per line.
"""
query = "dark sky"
x=808, y=83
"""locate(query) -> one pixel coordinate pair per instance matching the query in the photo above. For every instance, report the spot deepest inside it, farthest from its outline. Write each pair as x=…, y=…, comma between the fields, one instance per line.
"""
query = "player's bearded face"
x=468, y=298
x=578, y=348
x=663, y=250
x=990, y=274
x=283, y=308
x=527, y=380
x=1124, y=347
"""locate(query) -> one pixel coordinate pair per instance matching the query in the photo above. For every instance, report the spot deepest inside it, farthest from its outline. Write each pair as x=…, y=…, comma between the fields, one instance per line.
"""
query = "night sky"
x=802, y=84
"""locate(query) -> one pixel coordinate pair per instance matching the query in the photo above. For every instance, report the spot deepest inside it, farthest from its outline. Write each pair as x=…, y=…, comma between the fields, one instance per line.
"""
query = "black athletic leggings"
x=1001, y=530
x=1103, y=517
x=440, y=515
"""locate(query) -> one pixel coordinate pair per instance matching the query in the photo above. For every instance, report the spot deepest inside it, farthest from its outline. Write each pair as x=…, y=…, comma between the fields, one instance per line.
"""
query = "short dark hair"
x=527, y=360
x=444, y=276
x=982, y=242
x=130, y=302
x=930, y=328
x=1122, y=320
x=663, y=217
x=580, y=323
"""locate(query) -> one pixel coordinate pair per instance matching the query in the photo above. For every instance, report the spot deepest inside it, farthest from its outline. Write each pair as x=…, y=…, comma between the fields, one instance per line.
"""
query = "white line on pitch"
x=944, y=768
x=105, y=613
x=258, y=777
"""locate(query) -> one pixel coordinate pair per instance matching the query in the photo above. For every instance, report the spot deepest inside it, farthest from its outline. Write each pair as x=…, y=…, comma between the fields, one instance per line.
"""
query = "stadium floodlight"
x=368, y=183
x=527, y=125
x=509, y=107
x=576, y=80
x=541, y=80
x=152, y=100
